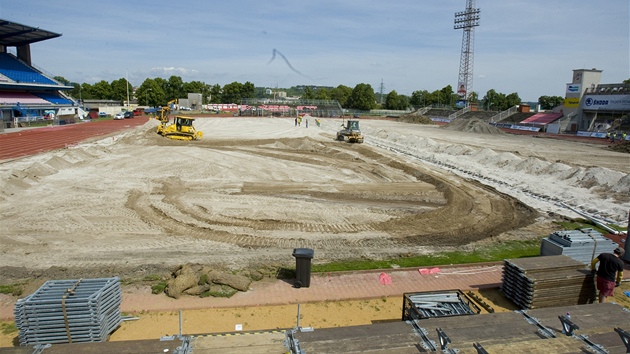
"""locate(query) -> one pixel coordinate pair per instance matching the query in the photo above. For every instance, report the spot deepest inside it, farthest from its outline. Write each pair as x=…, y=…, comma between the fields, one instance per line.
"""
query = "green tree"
x=87, y=91
x=473, y=97
x=549, y=102
x=362, y=97
x=151, y=93
x=215, y=94
x=512, y=100
x=447, y=92
x=308, y=94
x=232, y=93
x=492, y=101
x=391, y=100
x=248, y=90
x=62, y=80
x=102, y=90
x=175, y=87
x=437, y=97
x=341, y=94
x=323, y=94
x=163, y=92
x=119, y=90
x=76, y=92
x=496, y=101
x=395, y=101
x=419, y=98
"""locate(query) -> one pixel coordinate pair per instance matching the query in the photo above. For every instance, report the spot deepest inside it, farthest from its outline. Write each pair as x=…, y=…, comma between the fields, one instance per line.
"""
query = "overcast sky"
x=525, y=46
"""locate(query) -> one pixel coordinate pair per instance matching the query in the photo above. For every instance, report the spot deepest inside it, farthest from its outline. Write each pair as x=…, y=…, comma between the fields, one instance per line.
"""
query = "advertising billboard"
x=573, y=88
x=461, y=91
x=606, y=102
x=572, y=102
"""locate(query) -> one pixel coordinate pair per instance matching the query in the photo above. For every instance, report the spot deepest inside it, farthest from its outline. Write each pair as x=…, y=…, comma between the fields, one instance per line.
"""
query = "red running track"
x=22, y=142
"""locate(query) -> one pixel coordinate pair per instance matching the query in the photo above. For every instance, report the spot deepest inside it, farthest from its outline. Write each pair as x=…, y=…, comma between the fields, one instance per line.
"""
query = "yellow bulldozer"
x=180, y=129
x=350, y=132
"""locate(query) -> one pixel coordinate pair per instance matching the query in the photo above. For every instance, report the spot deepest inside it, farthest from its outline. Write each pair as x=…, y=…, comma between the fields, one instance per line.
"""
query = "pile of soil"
x=623, y=146
x=415, y=117
x=473, y=125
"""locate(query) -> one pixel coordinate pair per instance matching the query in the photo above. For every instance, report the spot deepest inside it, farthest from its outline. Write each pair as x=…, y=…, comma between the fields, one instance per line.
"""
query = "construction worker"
x=623, y=136
x=609, y=273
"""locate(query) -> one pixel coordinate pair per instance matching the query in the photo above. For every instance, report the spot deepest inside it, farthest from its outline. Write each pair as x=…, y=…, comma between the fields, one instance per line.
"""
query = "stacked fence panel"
x=428, y=304
x=582, y=245
x=547, y=282
x=70, y=311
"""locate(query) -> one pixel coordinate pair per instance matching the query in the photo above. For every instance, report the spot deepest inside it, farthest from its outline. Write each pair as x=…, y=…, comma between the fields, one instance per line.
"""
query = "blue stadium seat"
x=17, y=71
x=52, y=97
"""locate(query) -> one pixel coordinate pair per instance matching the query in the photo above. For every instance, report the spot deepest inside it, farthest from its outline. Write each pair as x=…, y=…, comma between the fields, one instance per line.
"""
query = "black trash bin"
x=303, y=258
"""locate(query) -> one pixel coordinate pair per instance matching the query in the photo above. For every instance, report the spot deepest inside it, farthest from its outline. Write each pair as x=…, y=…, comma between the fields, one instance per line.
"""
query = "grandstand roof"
x=15, y=34
x=542, y=118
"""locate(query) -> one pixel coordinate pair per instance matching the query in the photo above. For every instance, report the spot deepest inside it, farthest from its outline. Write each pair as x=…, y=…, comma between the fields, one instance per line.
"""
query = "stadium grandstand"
x=289, y=107
x=26, y=93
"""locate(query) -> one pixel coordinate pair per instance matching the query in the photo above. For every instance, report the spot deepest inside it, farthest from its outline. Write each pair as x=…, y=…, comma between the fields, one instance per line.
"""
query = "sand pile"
x=543, y=175
x=473, y=125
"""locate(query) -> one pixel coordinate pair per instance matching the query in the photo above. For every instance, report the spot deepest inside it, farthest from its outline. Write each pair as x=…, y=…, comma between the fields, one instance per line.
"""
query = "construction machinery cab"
x=351, y=132
x=181, y=129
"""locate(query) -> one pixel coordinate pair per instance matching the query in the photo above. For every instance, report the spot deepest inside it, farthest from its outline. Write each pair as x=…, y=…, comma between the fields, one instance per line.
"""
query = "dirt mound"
x=415, y=117
x=623, y=146
x=473, y=125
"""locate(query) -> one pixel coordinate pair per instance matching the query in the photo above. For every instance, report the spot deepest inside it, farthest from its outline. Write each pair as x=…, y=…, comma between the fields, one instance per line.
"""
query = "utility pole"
x=467, y=20
x=382, y=90
x=127, y=79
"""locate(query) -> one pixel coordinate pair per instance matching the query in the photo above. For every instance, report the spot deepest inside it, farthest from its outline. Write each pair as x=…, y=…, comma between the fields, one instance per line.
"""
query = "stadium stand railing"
x=503, y=115
x=459, y=113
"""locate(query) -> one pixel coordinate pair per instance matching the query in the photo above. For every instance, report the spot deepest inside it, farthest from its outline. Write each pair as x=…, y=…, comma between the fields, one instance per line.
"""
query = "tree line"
x=158, y=91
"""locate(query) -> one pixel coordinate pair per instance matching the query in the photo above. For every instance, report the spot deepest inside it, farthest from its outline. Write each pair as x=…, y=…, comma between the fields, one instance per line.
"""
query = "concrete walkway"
x=323, y=287
x=329, y=287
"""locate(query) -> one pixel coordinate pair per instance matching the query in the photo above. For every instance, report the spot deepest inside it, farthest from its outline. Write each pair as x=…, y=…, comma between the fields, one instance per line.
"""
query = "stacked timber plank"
x=582, y=245
x=70, y=311
x=547, y=282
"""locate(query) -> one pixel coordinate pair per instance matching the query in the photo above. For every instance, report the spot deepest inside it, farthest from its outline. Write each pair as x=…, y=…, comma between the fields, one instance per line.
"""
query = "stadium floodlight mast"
x=466, y=20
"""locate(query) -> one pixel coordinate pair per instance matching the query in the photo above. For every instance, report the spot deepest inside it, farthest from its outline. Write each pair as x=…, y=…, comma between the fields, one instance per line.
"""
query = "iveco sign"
x=607, y=102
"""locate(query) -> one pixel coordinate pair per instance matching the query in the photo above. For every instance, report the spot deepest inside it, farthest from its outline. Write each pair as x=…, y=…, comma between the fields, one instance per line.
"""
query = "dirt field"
x=253, y=189
x=137, y=204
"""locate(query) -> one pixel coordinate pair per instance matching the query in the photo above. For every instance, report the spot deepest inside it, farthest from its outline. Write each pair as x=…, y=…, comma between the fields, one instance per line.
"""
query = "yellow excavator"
x=351, y=132
x=182, y=127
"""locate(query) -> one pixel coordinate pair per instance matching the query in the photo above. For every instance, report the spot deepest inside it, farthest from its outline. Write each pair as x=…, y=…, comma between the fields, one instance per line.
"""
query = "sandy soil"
x=253, y=189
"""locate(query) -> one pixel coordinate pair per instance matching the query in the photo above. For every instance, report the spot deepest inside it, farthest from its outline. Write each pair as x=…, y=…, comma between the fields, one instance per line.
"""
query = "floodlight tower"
x=467, y=20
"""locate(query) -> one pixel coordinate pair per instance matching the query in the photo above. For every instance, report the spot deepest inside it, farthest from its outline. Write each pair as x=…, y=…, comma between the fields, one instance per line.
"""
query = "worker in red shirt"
x=609, y=272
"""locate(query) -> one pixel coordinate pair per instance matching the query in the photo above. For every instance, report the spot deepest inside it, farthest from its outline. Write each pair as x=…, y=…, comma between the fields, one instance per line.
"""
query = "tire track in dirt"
x=470, y=211
x=177, y=223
